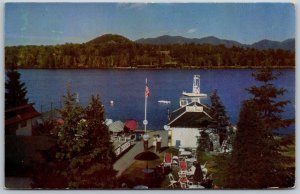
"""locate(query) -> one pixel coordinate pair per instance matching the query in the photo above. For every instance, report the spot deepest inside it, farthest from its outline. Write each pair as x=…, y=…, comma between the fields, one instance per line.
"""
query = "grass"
x=212, y=167
x=289, y=151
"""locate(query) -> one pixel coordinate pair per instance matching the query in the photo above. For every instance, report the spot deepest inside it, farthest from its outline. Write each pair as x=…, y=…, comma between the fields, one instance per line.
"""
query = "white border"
x=296, y=190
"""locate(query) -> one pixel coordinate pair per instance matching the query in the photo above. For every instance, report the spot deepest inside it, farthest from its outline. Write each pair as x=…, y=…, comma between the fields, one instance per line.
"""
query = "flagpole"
x=145, y=121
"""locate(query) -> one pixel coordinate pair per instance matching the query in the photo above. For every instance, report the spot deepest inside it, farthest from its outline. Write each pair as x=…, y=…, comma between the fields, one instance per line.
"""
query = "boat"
x=164, y=101
x=196, y=88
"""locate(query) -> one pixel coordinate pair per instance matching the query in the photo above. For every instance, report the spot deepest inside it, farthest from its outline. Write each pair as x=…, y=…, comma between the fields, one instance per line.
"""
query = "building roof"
x=193, y=115
x=20, y=113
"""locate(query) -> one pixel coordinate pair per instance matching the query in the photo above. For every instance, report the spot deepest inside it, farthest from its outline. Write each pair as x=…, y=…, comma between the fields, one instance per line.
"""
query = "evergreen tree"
x=203, y=143
x=246, y=168
x=220, y=119
x=257, y=160
x=99, y=150
x=219, y=169
x=15, y=90
x=85, y=156
x=71, y=139
x=264, y=99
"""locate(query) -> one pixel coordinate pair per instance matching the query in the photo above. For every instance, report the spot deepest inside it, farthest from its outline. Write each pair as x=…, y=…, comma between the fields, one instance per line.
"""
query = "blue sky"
x=58, y=23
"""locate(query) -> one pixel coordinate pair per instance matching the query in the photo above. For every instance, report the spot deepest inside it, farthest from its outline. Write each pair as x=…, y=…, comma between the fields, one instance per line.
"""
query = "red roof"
x=21, y=113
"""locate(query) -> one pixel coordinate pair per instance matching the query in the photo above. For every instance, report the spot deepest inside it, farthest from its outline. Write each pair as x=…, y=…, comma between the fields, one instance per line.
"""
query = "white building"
x=186, y=123
x=19, y=120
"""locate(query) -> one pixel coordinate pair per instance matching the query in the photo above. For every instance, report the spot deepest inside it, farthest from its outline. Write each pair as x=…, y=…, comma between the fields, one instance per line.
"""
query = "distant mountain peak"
x=109, y=39
x=288, y=44
x=212, y=37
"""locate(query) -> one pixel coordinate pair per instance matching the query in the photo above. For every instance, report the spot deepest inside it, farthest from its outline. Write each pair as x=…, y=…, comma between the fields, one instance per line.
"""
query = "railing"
x=123, y=147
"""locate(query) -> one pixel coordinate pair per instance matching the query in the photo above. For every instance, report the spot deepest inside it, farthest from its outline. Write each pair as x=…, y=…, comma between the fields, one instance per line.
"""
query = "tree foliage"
x=15, y=90
x=257, y=159
x=111, y=52
x=220, y=118
x=84, y=155
x=203, y=143
x=264, y=98
x=219, y=169
x=101, y=154
x=246, y=169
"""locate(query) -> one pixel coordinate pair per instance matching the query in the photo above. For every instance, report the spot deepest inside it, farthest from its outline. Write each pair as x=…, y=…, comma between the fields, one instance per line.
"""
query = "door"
x=177, y=144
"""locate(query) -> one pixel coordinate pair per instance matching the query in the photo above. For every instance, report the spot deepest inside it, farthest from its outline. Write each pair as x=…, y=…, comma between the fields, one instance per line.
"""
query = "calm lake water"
x=127, y=89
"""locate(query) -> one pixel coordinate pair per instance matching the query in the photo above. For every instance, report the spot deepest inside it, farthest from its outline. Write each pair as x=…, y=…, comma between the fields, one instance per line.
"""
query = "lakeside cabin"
x=186, y=123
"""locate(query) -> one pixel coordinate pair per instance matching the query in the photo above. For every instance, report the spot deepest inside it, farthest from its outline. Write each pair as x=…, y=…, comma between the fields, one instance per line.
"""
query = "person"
x=154, y=143
x=145, y=139
x=158, y=143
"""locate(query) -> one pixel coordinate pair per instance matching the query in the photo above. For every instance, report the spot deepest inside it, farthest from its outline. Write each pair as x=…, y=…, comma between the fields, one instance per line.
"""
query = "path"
x=128, y=158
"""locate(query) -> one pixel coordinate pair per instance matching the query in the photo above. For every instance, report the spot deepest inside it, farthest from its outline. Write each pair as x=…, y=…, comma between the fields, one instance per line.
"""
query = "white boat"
x=164, y=101
x=196, y=88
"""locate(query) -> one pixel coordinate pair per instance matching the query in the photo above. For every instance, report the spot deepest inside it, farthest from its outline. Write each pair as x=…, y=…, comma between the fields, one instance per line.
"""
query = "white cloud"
x=192, y=30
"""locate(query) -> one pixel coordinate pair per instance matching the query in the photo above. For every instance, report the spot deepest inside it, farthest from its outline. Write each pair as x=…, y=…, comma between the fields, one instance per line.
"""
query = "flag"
x=147, y=92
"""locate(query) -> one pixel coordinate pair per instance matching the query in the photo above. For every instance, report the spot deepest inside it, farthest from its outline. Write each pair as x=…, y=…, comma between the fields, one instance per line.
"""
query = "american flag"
x=147, y=91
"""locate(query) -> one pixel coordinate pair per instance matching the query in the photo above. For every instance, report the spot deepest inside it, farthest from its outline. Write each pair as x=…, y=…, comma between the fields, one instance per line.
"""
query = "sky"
x=58, y=23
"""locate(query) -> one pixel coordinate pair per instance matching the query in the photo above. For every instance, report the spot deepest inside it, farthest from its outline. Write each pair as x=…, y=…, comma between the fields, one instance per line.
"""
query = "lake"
x=127, y=89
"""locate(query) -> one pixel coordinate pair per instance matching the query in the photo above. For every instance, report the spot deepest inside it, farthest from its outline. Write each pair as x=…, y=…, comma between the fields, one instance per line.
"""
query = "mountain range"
x=288, y=44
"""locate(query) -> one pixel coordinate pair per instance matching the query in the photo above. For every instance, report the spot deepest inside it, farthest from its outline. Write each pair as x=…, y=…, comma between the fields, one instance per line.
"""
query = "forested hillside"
x=119, y=52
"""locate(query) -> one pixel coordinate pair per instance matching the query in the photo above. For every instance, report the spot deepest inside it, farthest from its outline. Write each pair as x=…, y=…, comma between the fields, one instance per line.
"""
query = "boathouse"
x=186, y=123
x=19, y=120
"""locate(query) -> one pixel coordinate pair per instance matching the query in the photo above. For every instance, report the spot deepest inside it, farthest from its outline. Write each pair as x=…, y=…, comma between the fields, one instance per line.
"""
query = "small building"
x=19, y=120
x=186, y=123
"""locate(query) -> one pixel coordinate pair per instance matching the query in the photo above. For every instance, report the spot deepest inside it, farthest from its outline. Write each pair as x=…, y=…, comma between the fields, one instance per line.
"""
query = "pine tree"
x=257, y=160
x=85, y=156
x=71, y=139
x=99, y=150
x=264, y=98
x=246, y=168
x=220, y=119
x=15, y=90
